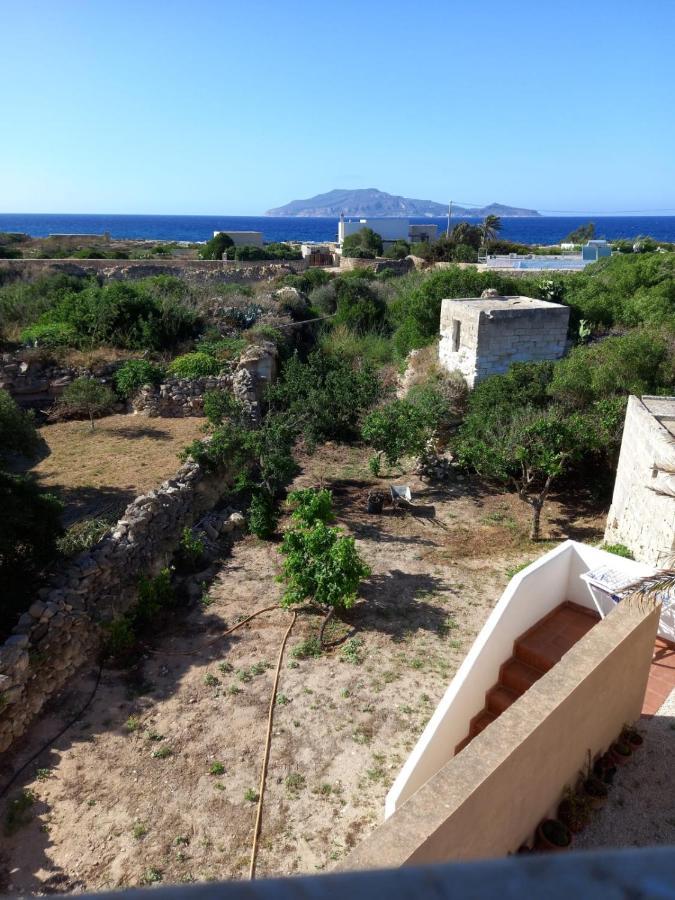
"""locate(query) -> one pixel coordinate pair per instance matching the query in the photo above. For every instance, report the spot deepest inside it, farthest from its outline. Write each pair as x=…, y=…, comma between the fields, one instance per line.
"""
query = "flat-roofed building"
x=243, y=238
x=482, y=336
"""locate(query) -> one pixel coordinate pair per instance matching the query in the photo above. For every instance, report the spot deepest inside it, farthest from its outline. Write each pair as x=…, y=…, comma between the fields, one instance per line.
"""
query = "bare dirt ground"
x=124, y=456
x=158, y=781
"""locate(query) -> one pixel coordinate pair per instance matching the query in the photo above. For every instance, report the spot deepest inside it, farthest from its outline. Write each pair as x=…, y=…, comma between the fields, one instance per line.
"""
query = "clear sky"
x=167, y=106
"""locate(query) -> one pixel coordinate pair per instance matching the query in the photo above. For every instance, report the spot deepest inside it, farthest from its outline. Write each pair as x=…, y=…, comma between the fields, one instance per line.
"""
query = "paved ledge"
x=620, y=875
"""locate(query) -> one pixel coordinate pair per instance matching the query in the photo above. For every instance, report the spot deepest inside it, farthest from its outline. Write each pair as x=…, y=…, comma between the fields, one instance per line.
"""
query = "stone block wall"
x=62, y=629
x=483, y=337
x=642, y=514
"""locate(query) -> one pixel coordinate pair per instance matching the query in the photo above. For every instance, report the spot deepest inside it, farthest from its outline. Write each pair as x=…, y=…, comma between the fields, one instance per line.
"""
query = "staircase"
x=534, y=653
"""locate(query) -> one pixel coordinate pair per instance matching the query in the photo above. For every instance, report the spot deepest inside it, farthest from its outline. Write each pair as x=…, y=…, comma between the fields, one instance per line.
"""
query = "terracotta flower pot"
x=633, y=738
x=553, y=836
x=619, y=754
x=593, y=792
x=574, y=818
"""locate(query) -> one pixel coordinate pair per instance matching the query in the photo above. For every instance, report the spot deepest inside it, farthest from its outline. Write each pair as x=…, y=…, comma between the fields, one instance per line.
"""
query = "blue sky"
x=235, y=107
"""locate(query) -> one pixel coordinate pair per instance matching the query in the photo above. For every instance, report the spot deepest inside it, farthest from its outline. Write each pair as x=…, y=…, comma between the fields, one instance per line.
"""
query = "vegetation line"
x=266, y=757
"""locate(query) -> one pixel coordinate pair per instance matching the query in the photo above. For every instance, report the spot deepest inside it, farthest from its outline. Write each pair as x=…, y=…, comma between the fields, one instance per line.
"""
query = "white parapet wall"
x=528, y=597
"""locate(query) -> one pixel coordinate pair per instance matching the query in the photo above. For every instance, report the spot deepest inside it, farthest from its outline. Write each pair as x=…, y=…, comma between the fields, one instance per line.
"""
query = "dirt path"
x=127, y=796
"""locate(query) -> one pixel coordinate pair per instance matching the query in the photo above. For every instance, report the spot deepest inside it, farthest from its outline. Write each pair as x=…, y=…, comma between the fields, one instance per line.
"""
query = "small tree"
x=581, y=234
x=529, y=451
x=395, y=430
x=321, y=565
x=215, y=248
x=86, y=396
x=363, y=239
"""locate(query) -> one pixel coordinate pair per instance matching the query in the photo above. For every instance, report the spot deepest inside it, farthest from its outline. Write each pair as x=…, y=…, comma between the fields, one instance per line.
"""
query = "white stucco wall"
x=390, y=229
x=496, y=332
x=528, y=597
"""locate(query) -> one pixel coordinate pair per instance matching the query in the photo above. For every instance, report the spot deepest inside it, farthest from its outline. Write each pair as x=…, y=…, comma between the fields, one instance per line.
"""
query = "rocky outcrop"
x=31, y=380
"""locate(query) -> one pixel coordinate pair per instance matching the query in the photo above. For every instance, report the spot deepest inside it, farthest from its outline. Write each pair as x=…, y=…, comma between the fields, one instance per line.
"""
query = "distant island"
x=371, y=202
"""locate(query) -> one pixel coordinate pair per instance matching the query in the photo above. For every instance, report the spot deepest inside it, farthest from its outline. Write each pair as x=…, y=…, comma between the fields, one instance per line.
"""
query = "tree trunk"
x=536, y=519
x=91, y=419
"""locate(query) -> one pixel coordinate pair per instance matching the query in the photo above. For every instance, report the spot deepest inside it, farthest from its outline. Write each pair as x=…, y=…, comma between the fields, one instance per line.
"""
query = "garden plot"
x=159, y=780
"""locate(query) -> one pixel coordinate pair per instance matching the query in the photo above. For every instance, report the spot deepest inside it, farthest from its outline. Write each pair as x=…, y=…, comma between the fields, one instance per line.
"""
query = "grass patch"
x=19, y=811
x=295, y=781
x=217, y=768
x=307, y=649
x=162, y=753
x=251, y=795
x=139, y=831
x=352, y=652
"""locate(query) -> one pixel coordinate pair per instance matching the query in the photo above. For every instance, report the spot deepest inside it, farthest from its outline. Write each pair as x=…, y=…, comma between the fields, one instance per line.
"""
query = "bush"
x=84, y=535
x=215, y=248
x=464, y=253
x=359, y=306
x=86, y=397
x=397, y=429
x=154, y=596
x=223, y=349
x=141, y=315
x=618, y=550
x=194, y=365
x=309, y=280
x=639, y=362
x=371, y=347
x=365, y=240
x=29, y=528
x=398, y=250
x=326, y=396
x=309, y=505
x=23, y=302
x=262, y=515
x=17, y=430
x=49, y=335
x=135, y=374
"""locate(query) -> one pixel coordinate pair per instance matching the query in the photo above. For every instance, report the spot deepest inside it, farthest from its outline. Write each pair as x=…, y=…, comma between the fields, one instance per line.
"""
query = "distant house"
x=594, y=250
x=390, y=229
x=482, y=336
x=243, y=238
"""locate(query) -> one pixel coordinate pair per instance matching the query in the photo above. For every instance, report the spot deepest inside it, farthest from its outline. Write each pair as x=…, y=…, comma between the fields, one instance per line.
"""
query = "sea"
x=526, y=230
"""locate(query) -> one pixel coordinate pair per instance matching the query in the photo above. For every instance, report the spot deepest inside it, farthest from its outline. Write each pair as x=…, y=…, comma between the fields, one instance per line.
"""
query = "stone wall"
x=642, y=514
x=62, y=629
x=198, y=271
x=176, y=397
x=380, y=264
x=31, y=380
x=484, y=336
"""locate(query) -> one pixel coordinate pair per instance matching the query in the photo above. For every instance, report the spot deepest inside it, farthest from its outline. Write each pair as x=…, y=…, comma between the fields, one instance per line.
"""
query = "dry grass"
x=347, y=722
x=123, y=457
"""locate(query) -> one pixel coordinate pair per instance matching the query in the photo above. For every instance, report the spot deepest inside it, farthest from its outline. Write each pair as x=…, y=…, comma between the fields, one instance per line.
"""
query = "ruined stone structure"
x=62, y=629
x=642, y=514
x=483, y=336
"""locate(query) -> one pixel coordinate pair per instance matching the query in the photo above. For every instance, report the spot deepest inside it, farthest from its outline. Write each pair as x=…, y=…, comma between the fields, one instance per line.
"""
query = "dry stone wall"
x=62, y=629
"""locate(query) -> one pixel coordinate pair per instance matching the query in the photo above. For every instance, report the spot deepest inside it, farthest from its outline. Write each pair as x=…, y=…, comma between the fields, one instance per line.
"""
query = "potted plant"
x=631, y=736
x=553, y=835
x=605, y=768
x=574, y=810
x=621, y=752
x=595, y=791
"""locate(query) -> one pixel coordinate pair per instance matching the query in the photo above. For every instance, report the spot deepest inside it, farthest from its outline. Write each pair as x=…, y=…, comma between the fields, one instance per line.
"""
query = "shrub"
x=29, y=527
x=135, y=374
x=83, y=535
x=194, y=365
x=397, y=429
x=326, y=396
x=17, y=430
x=190, y=553
x=373, y=347
x=86, y=397
x=154, y=596
x=398, y=250
x=359, y=306
x=262, y=516
x=464, y=253
x=215, y=248
x=365, y=240
x=618, y=550
x=309, y=505
x=309, y=280
x=120, y=638
x=49, y=335
x=222, y=348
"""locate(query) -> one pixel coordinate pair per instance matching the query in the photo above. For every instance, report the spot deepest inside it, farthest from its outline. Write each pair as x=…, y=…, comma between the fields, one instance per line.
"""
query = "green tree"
x=465, y=233
x=17, y=429
x=528, y=450
x=394, y=430
x=135, y=374
x=322, y=565
x=581, y=234
x=86, y=396
x=365, y=239
x=218, y=245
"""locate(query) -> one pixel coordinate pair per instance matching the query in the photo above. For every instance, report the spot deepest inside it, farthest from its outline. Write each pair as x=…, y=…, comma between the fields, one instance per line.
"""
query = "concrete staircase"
x=534, y=653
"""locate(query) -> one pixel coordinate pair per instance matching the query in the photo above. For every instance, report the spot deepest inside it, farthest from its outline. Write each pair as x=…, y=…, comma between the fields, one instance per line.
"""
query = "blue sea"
x=535, y=230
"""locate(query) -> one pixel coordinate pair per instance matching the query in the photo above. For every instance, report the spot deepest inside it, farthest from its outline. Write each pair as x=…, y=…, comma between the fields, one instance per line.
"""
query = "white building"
x=390, y=229
x=243, y=238
x=642, y=514
x=482, y=336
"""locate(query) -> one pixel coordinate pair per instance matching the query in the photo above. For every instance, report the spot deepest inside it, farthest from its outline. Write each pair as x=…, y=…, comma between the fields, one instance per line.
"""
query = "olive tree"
x=86, y=396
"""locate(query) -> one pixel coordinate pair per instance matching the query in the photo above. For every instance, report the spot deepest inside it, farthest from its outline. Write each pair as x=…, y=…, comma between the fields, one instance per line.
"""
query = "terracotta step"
x=543, y=645
x=518, y=676
x=499, y=698
x=481, y=721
